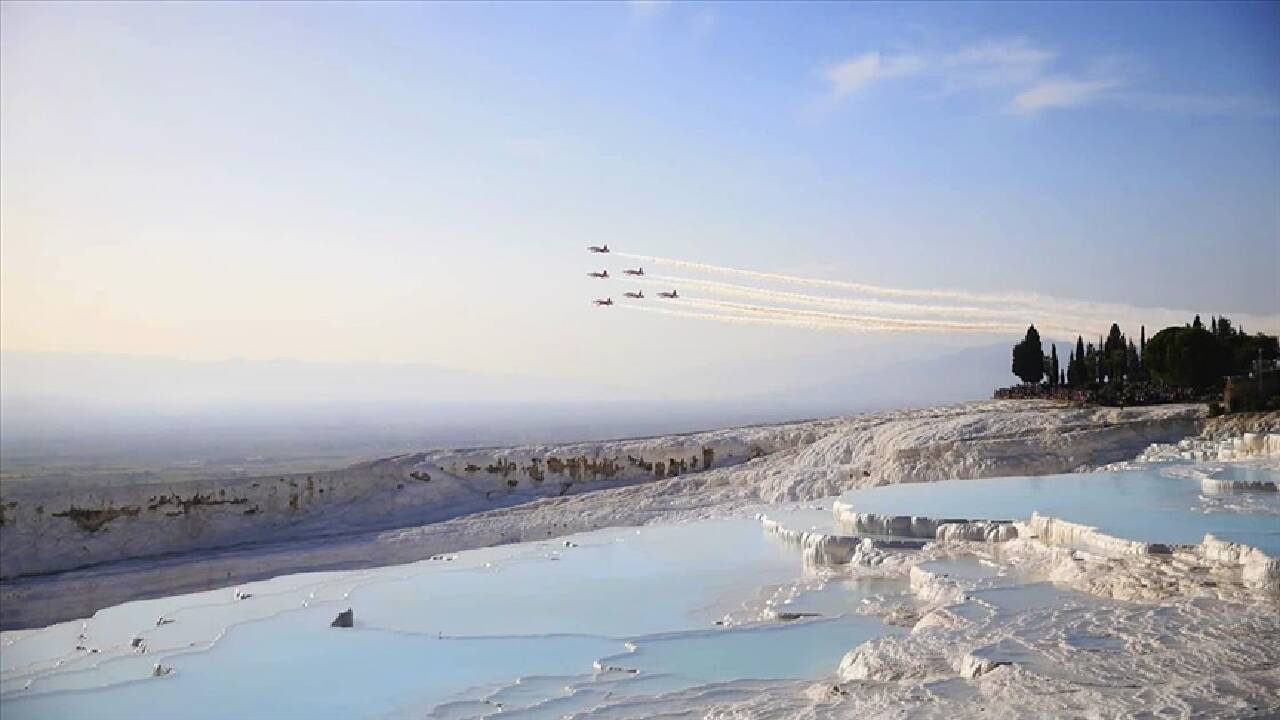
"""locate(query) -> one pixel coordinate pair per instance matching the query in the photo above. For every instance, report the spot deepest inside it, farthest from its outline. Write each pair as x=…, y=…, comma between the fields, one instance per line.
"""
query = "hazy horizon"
x=117, y=418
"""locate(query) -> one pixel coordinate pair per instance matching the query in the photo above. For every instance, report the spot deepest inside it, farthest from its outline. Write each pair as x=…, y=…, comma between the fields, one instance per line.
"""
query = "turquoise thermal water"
x=426, y=633
x=792, y=651
x=1140, y=505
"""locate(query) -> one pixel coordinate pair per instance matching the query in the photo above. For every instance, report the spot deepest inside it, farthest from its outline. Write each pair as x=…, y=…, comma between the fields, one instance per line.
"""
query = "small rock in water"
x=159, y=670
x=795, y=615
x=345, y=619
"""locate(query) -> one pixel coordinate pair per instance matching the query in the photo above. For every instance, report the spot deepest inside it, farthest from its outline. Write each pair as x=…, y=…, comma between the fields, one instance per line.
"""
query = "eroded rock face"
x=44, y=532
x=92, y=521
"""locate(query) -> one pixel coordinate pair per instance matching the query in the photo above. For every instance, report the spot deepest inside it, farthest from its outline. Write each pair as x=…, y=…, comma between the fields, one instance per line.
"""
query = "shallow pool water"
x=528, y=626
x=839, y=596
x=967, y=567
x=1247, y=473
x=1139, y=505
x=795, y=650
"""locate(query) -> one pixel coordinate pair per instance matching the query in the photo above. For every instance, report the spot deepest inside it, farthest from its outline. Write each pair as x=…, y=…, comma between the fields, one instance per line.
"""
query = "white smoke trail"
x=851, y=319
x=747, y=319
x=1074, y=317
x=747, y=291
x=959, y=295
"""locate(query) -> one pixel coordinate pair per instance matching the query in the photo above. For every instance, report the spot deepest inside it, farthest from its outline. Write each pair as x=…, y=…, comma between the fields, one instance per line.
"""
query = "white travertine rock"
x=1062, y=532
x=982, y=660
x=934, y=588
x=411, y=507
x=45, y=533
x=977, y=530
x=1224, y=486
x=915, y=526
x=1257, y=569
x=816, y=548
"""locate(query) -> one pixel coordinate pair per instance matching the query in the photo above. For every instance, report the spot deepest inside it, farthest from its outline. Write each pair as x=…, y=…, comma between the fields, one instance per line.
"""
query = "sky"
x=416, y=183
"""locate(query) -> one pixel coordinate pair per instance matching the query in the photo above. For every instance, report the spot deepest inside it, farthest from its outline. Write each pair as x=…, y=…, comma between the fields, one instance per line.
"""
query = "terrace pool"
x=1144, y=505
x=452, y=633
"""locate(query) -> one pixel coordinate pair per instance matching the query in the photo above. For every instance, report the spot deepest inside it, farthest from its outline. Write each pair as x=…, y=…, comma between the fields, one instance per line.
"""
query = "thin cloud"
x=1024, y=70
x=1060, y=92
x=994, y=63
x=854, y=74
x=1002, y=62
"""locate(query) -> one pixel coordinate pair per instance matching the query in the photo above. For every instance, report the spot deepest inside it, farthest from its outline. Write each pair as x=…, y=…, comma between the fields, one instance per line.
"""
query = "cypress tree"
x=1082, y=372
x=1113, y=354
x=1053, y=364
x=1099, y=362
x=1028, y=357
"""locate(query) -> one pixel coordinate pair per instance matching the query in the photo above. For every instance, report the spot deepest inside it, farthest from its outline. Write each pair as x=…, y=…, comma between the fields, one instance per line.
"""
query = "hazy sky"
x=416, y=183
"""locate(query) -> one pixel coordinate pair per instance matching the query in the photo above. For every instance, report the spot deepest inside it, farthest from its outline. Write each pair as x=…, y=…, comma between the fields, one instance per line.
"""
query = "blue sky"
x=407, y=182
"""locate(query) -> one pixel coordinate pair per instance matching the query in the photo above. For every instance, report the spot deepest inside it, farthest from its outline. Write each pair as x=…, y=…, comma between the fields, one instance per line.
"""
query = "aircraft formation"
x=736, y=295
x=630, y=272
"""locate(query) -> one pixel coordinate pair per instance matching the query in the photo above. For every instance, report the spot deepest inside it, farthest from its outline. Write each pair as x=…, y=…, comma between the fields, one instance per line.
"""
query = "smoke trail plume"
x=747, y=319
x=1071, y=317
x=958, y=295
x=869, y=321
x=883, y=306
